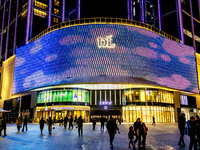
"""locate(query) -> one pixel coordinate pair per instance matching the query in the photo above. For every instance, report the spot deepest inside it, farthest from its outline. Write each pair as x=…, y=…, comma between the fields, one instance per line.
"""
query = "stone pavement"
x=160, y=137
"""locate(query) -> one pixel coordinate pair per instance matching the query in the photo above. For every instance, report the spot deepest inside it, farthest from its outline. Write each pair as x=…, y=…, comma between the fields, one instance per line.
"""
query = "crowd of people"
x=137, y=133
x=190, y=128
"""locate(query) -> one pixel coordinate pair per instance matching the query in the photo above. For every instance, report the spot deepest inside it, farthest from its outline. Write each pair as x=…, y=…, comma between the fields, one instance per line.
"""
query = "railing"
x=86, y=21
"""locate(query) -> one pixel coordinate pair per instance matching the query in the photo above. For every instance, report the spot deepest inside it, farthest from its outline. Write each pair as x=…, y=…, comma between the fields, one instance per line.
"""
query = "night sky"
x=104, y=8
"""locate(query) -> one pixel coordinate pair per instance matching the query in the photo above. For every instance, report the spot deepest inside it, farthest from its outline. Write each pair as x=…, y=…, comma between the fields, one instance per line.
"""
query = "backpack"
x=187, y=128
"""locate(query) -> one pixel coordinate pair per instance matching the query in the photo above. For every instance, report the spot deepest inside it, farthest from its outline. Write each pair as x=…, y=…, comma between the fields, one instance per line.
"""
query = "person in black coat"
x=70, y=122
x=3, y=126
x=65, y=121
x=144, y=130
x=94, y=123
x=192, y=133
x=137, y=128
x=130, y=136
x=80, y=125
x=198, y=128
x=50, y=123
x=181, y=127
x=102, y=120
x=112, y=127
x=42, y=122
x=25, y=124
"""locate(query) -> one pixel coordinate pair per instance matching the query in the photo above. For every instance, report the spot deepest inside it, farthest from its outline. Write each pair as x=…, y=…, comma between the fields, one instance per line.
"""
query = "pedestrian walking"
x=154, y=123
x=130, y=136
x=25, y=124
x=80, y=126
x=70, y=122
x=3, y=126
x=144, y=130
x=137, y=129
x=112, y=127
x=192, y=133
x=75, y=120
x=94, y=123
x=65, y=121
x=19, y=123
x=102, y=120
x=198, y=129
x=42, y=122
x=61, y=121
x=119, y=120
x=181, y=127
x=50, y=123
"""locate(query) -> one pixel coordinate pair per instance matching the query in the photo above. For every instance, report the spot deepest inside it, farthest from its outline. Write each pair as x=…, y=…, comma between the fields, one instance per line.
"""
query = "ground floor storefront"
x=58, y=112
x=146, y=113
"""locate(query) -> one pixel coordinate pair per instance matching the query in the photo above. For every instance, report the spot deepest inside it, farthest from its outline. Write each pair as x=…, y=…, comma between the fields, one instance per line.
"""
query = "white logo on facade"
x=105, y=42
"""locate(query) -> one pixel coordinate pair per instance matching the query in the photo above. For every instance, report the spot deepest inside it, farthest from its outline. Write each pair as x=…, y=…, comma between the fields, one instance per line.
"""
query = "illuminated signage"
x=105, y=42
x=105, y=103
x=61, y=108
x=96, y=49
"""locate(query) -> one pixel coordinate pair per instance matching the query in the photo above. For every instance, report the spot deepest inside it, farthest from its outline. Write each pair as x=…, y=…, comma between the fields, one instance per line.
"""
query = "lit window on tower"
x=56, y=11
x=40, y=13
x=40, y=5
x=56, y=2
x=55, y=19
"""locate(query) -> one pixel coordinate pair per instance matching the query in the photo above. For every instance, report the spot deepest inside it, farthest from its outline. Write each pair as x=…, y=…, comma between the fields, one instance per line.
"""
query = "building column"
x=128, y=9
x=15, y=33
x=8, y=29
x=4, y=10
x=50, y=13
x=159, y=16
x=142, y=11
x=28, y=21
x=177, y=105
x=63, y=11
x=180, y=21
x=192, y=21
x=78, y=9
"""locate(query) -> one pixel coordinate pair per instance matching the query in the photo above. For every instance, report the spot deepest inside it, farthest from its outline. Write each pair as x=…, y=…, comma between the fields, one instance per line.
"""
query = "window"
x=56, y=11
x=40, y=13
x=55, y=19
x=40, y=5
x=56, y=2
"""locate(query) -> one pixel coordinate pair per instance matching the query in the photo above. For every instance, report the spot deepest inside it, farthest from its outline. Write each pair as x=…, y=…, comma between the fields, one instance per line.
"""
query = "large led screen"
x=104, y=49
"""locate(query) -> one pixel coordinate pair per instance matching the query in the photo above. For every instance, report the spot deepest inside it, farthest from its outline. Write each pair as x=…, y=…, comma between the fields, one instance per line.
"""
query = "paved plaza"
x=160, y=137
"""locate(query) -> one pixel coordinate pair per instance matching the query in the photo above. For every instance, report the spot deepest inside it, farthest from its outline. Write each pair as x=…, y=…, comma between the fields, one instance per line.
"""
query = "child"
x=130, y=136
x=144, y=134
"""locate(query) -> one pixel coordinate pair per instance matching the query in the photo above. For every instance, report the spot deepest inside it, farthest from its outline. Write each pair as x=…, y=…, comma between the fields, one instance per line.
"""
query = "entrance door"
x=58, y=115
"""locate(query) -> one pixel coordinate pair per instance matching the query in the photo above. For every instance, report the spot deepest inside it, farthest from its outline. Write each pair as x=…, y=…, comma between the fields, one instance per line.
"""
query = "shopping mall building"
x=101, y=67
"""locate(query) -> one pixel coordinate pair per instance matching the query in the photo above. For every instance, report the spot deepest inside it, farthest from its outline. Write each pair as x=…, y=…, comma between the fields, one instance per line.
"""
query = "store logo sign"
x=105, y=42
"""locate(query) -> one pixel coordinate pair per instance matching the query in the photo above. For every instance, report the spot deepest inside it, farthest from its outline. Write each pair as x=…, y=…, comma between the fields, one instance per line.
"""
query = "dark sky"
x=104, y=8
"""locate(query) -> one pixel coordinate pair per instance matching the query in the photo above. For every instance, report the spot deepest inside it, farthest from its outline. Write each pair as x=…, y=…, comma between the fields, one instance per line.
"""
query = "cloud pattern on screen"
x=73, y=52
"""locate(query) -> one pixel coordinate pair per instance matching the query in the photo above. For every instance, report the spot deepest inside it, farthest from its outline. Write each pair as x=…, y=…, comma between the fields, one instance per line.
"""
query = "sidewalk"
x=160, y=137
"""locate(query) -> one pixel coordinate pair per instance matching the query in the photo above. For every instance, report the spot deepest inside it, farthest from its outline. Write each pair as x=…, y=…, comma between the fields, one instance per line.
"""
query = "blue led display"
x=104, y=49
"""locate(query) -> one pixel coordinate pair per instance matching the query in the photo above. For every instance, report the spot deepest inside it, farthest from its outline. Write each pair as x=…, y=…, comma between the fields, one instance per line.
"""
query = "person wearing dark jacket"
x=50, y=123
x=198, y=128
x=3, y=126
x=192, y=133
x=130, y=136
x=144, y=130
x=25, y=124
x=102, y=120
x=94, y=123
x=65, y=121
x=181, y=127
x=137, y=128
x=80, y=125
x=42, y=124
x=112, y=127
x=70, y=122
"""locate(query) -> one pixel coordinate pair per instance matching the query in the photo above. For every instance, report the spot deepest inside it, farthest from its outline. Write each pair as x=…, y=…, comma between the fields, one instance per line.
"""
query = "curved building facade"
x=93, y=69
